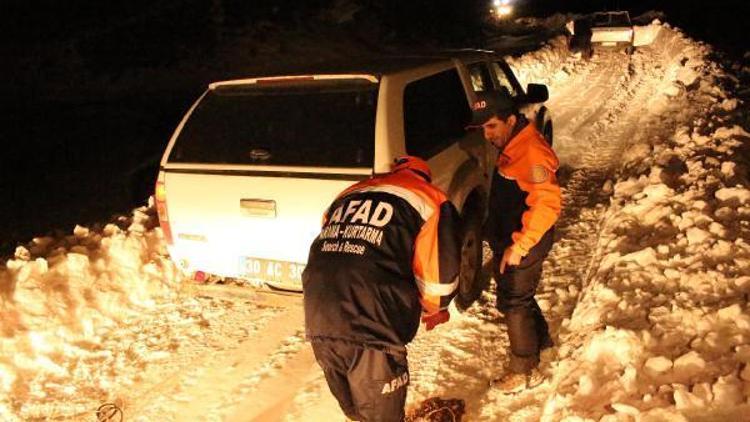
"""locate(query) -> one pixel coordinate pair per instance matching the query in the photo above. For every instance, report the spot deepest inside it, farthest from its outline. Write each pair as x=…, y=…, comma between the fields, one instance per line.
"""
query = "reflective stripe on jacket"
x=529, y=164
x=389, y=249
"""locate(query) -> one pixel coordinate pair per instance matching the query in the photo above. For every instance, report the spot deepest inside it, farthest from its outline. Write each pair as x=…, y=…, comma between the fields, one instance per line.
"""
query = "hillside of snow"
x=646, y=288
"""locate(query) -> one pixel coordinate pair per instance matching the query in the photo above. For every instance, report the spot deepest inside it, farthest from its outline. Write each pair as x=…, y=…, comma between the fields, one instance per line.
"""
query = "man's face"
x=497, y=131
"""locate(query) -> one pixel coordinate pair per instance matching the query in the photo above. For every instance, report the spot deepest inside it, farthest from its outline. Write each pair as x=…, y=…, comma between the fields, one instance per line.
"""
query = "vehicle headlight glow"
x=504, y=10
x=501, y=8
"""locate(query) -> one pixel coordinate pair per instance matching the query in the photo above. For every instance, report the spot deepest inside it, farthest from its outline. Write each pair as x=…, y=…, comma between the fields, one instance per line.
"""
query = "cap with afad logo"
x=488, y=104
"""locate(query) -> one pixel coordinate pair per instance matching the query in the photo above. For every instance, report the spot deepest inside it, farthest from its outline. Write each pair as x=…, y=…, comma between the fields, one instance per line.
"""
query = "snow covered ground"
x=646, y=288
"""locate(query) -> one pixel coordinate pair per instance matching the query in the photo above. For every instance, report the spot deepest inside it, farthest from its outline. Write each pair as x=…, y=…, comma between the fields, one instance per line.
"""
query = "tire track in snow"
x=210, y=381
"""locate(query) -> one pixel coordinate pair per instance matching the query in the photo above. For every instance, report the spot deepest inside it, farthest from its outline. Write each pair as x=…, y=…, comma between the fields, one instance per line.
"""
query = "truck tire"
x=471, y=284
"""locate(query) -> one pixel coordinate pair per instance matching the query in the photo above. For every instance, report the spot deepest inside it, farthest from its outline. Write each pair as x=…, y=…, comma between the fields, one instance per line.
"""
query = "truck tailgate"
x=244, y=225
x=611, y=35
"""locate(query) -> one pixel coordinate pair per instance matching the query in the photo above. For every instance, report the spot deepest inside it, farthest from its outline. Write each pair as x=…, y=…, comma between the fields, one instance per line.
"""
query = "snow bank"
x=550, y=65
x=60, y=298
x=645, y=35
x=663, y=329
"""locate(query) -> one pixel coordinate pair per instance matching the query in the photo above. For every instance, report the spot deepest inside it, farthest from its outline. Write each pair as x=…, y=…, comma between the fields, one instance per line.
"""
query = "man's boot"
x=515, y=382
x=521, y=370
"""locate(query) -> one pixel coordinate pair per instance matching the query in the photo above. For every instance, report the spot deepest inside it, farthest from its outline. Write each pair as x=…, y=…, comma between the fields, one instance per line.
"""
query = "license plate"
x=279, y=273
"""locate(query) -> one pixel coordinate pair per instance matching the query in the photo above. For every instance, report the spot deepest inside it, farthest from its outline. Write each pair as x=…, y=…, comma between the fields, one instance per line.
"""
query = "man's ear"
x=511, y=121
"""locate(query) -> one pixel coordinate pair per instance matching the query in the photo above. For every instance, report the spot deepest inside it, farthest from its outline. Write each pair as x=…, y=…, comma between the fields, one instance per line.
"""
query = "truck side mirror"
x=537, y=93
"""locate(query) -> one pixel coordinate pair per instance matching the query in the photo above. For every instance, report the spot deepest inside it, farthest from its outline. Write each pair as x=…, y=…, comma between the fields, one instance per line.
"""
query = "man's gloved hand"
x=432, y=320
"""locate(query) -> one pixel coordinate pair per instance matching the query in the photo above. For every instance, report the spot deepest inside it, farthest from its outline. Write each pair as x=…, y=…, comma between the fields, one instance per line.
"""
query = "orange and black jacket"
x=388, y=250
x=525, y=199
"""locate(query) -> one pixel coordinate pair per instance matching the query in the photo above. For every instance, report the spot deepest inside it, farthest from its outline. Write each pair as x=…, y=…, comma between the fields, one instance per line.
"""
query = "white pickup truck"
x=612, y=29
x=602, y=30
x=246, y=177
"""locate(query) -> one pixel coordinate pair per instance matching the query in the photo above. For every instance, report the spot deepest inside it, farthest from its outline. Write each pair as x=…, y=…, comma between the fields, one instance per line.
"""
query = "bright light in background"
x=501, y=8
x=504, y=10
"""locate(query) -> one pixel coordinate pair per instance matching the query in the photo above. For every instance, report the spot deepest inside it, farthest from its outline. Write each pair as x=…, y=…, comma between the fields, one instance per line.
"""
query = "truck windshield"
x=328, y=123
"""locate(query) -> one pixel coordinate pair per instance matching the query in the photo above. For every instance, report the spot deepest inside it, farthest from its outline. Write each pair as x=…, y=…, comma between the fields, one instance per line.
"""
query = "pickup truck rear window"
x=612, y=19
x=328, y=123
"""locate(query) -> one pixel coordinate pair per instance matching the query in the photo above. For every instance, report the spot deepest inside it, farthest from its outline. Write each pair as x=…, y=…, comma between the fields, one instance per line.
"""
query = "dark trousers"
x=527, y=329
x=369, y=384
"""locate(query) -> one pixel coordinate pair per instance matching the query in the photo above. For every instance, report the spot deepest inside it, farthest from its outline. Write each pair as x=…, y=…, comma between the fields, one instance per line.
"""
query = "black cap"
x=491, y=103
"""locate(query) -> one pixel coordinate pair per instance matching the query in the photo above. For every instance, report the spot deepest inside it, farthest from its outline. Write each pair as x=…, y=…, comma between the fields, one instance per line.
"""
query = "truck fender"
x=468, y=179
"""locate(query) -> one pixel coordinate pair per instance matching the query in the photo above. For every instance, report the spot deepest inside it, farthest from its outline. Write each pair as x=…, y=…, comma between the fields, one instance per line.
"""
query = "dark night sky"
x=93, y=89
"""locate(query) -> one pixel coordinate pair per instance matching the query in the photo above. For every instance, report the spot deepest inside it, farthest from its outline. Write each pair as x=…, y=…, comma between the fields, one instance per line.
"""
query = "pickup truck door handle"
x=258, y=207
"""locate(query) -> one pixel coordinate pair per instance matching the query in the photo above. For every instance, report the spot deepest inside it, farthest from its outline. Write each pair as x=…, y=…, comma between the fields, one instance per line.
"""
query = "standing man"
x=525, y=202
x=388, y=254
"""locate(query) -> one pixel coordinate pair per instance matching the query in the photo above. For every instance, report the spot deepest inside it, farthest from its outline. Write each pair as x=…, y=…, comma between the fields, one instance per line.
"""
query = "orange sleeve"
x=537, y=178
x=437, y=258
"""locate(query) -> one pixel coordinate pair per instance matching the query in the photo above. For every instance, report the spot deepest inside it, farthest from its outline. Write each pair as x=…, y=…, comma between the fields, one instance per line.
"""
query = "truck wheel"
x=630, y=50
x=470, y=280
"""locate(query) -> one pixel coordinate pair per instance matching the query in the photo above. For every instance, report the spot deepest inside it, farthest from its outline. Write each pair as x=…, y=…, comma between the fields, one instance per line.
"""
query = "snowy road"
x=650, y=189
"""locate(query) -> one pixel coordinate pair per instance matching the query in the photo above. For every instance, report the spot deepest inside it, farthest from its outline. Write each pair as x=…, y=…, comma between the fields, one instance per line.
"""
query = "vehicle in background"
x=602, y=30
x=246, y=176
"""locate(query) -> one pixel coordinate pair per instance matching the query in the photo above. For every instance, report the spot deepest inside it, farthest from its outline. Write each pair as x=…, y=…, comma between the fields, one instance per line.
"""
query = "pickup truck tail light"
x=160, y=195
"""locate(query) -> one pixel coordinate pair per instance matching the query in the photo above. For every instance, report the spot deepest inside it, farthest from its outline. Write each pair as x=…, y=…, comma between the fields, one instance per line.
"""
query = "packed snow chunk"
x=738, y=195
x=672, y=274
x=645, y=35
x=728, y=391
x=659, y=192
x=730, y=313
x=637, y=152
x=697, y=236
x=729, y=132
x=586, y=385
x=689, y=365
x=7, y=378
x=699, y=205
x=729, y=104
x=718, y=230
x=22, y=254
x=658, y=365
x=684, y=399
x=682, y=136
x=692, y=218
x=687, y=75
x=609, y=261
x=626, y=409
x=80, y=231
x=613, y=346
x=644, y=257
x=728, y=168
x=671, y=90
x=630, y=187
